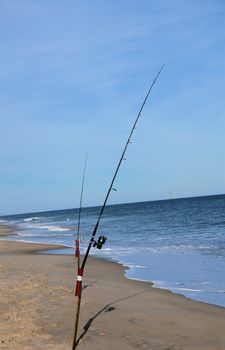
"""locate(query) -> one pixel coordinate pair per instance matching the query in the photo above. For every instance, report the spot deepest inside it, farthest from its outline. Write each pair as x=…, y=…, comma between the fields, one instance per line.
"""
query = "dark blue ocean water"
x=178, y=244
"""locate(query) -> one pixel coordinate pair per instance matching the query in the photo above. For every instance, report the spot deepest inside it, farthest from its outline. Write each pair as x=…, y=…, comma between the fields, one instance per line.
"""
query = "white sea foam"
x=134, y=266
x=199, y=290
x=51, y=228
x=32, y=219
x=164, y=285
x=189, y=289
x=159, y=284
x=25, y=234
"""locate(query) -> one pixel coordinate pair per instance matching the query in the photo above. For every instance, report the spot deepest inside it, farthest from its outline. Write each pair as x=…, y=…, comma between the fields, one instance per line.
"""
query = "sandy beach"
x=37, y=307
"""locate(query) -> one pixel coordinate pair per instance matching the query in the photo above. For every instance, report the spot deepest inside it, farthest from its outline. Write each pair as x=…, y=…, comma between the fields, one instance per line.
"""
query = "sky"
x=73, y=76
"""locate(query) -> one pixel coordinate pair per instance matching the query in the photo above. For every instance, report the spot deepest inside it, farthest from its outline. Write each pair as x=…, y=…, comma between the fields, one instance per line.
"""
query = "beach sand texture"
x=37, y=307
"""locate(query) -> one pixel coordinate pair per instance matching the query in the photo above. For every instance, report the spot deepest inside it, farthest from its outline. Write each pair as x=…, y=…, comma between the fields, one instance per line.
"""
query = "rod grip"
x=79, y=283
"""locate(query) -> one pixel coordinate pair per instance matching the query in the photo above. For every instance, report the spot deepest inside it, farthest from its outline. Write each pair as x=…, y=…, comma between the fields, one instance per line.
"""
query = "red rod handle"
x=79, y=283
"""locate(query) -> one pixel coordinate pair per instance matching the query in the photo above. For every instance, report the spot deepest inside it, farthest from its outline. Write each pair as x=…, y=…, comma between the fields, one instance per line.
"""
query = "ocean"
x=178, y=244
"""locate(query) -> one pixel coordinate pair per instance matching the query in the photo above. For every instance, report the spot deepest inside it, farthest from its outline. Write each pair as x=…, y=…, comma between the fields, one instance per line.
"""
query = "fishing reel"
x=99, y=243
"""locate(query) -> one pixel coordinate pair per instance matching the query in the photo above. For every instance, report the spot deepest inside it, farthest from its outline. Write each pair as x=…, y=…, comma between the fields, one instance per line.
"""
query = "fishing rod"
x=77, y=248
x=102, y=239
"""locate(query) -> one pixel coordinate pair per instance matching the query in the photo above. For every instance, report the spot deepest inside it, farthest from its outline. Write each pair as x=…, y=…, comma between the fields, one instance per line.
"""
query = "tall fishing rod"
x=117, y=169
x=102, y=239
x=77, y=249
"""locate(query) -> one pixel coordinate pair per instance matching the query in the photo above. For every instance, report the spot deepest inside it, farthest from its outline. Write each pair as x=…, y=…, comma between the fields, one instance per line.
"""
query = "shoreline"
x=7, y=230
x=37, y=307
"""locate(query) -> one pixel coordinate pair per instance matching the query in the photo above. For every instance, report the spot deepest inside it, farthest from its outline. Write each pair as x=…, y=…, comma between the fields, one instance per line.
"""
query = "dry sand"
x=37, y=307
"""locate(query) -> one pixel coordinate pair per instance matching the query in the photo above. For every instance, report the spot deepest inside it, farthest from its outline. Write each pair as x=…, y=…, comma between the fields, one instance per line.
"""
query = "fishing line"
x=77, y=250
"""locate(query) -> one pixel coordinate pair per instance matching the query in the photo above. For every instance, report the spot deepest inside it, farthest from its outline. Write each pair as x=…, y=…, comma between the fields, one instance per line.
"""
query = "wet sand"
x=37, y=307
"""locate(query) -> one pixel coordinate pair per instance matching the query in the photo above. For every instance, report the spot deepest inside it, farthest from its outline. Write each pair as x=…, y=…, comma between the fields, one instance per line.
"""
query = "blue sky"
x=73, y=76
